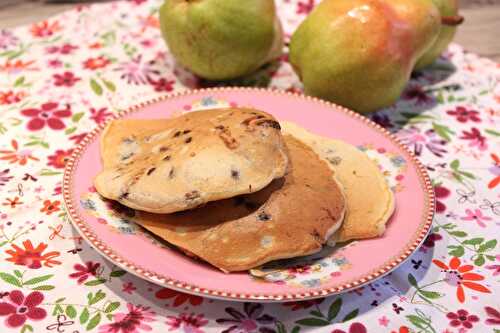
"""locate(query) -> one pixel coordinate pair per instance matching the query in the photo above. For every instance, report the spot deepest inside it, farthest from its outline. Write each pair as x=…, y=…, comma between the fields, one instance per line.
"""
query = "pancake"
x=370, y=201
x=169, y=165
x=293, y=216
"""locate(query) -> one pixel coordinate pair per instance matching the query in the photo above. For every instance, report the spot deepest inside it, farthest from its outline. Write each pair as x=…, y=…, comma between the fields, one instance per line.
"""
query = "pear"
x=360, y=53
x=221, y=39
x=450, y=20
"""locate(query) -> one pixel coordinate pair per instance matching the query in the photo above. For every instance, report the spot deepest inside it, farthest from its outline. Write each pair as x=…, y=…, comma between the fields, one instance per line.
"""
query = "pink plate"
x=116, y=237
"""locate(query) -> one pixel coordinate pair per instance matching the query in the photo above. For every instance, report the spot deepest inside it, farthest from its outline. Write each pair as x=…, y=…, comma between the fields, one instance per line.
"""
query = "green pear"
x=221, y=39
x=360, y=53
x=450, y=20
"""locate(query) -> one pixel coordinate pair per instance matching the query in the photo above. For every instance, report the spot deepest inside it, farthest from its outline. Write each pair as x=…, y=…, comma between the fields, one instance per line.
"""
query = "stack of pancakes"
x=237, y=189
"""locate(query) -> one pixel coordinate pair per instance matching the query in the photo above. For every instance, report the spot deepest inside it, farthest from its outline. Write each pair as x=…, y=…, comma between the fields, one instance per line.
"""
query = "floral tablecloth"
x=61, y=77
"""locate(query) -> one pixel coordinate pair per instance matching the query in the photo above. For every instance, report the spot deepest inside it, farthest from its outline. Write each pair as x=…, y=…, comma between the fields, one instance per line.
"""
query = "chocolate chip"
x=188, y=140
x=124, y=195
x=177, y=134
x=263, y=216
x=150, y=171
x=163, y=149
x=270, y=123
x=167, y=158
x=193, y=195
x=171, y=173
x=186, y=131
x=219, y=127
x=235, y=174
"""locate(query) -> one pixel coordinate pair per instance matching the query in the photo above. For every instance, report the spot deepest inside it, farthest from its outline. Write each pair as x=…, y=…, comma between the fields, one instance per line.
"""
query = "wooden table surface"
x=479, y=34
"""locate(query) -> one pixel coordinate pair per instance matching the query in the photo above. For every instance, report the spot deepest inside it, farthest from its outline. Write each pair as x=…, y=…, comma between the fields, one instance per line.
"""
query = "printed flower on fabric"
x=5, y=177
x=59, y=159
x=162, y=85
x=460, y=276
x=84, y=272
x=475, y=138
x=99, y=115
x=464, y=115
x=493, y=316
x=45, y=29
x=441, y=193
x=32, y=257
x=18, y=309
x=17, y=156
x=7, y=39
x=417, y=141
x=17, y=66
x=50, y=207
x=495, y=170
x=135, y=321
x=64, y=49
x=10, y=97
x=250, y=320
x=66, y=79
x=354, y=328
x=137, y=71
x=476, y=215
x=417, y=94
x=431, y=240
x=187, y=323
x=179, y=298
x=462, y=318
x=96, y=63
x=495, y=267
x=48, y=114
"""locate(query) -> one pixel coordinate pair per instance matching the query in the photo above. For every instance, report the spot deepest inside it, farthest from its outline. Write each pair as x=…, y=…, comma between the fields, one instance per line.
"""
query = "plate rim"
x=169, y=282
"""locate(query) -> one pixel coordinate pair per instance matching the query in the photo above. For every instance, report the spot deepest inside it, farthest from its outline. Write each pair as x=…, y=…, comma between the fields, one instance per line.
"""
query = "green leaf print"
x=44, y=287
x=11, y=279
x=84, y=316
x=431, y=294
x=443, y=131
x=456, y=250
x=112, y=307
x=110, y=85
x=334, y=309
x=351, y=315
x=313, y=322
x=479, y=261
x=95, y=282
x=38, y=279
x=458, y=233
x=412, y=280
x=26, y=328
x=96, y=87
x=19, y=81
x=489, y=245
x=473, y=241
x=492, y=132
x=96, y=319
x=77, y=116
x=117, y=273
x=71, y=311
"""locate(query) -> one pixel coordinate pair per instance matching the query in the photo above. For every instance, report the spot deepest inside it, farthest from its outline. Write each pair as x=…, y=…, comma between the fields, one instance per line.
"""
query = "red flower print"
x=462, y=318
x=78, y=137
x=12, y=202
x=495, y=170
x=48, y=115
x=64, y=49
x=299, y=269
x=18, y=308
x=162, y=84
x=134, y=321
x=99, y=115
x=50, y=207
x=13, y=67
x=476, y=215
x=10, y=97
x=495, y=267
x=4, y=177
x=44, y=29
x=494, y=316
x=464, y=115
x=431, y=240
x=84, y=272
x=128, y=287
x=54, y=63
x=354, y=328
x=303, y=304
x=95, y=45
x=58, y=160
x=403, y=329
x=32, y=257
x=459, y=276
x=305, y=7
x=96, y=63
x=66, y=79
x=188, y=323
x=475, y=138
x=179, y=298
x=416, y=93
x=17, y=156
x=441, y=192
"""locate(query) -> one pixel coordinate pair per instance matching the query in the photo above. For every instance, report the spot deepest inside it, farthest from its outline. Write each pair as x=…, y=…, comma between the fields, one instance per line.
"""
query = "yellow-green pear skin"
x=447, y=8
x=221, y=39
x=360, y=53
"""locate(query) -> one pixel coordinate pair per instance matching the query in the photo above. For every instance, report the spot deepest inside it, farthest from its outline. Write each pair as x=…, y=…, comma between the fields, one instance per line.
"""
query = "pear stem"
x=453, y=20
